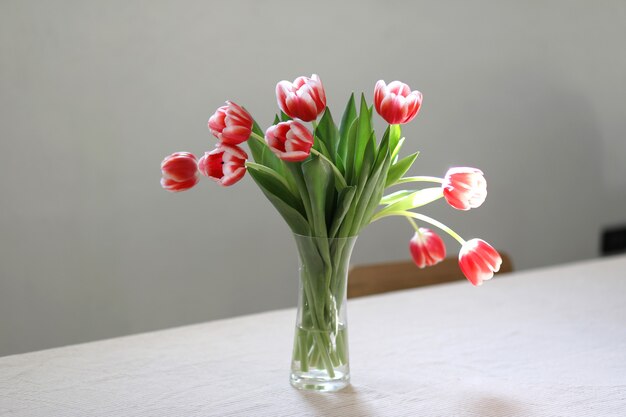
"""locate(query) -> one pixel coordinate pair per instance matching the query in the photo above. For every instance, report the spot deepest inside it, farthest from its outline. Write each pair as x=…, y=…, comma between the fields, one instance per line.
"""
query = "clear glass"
x=320, y=358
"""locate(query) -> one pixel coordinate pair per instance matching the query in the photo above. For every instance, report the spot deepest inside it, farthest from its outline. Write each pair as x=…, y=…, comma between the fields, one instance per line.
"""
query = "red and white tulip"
x=427, y=248
x=479, y=260
x=396, y=103
x=290, y=141
x=231, y=124
x=464, y=188
x=303, y=99
x=226, y=164
x=180, y=171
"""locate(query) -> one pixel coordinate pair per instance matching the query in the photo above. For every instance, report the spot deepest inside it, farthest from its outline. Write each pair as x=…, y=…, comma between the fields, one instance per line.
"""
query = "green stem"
x=419, y=179
x=426, y=219
x=410, y=220
x=258, y=137
x=319, y=329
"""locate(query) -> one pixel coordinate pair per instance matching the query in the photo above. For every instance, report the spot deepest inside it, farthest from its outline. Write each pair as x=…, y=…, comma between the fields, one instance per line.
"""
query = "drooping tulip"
x=226, y=164
x=290, y=141
x=426, y=248
x=464, y=187
x=396, y=103
x=231, y=124
x=180, y=171
x=478, y=261
x=303, y=99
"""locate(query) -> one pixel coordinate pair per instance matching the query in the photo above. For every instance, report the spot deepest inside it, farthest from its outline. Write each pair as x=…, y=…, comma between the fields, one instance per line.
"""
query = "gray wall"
x=94, y=94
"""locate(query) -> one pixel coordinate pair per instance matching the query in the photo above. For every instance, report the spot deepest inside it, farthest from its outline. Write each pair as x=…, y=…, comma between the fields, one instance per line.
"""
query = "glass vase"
x=320, y=358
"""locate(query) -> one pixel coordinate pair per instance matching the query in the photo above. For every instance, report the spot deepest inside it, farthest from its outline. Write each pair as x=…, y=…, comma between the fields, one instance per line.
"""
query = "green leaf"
x=364, y=175
x=400, y=168
x=320, y=147
x=257, y=129
x=363, y=136
x=383, y=151
x=371, y=195
x=328, y=135
x=262, y=154
x=393, y=197
x=284, y=117
x=276, y=120
x=349, y=115
x=344, y=201
x=414, y=200
x=395, y=132
x=275, y=184
x=319, y=178
x=351, y=146
x=295, y=169
x=394, y=155
x=379, y=189
x=369, y=156
x=296, y=222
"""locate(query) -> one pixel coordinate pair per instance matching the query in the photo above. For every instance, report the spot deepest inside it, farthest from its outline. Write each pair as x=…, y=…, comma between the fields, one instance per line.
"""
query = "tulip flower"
x=396, y=103
x=427, y=248
x=303, y=99
x=226, y=164
x=180, y=171
x=464, y=188
x=290, y=140
x=231, y=124
x=478, y=261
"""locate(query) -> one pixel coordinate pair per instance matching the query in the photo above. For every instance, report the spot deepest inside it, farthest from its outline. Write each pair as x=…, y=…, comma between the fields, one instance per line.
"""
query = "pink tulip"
x=396, y=103
x=180, y=171
x=478, y=261
x=303, y=99
x=290, y=140
x=427, y=248
x=226, y=164
x=464, y=188
x=231, y=124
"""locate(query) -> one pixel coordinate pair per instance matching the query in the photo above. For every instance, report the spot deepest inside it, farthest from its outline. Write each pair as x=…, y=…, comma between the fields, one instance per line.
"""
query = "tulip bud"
x=290, y=140
x=427, y=248
x=180, y=171
x=231, y=124
x=464, y=188
x=478, y=261
x=303, y=99
x=396, y=103
x=226, y=164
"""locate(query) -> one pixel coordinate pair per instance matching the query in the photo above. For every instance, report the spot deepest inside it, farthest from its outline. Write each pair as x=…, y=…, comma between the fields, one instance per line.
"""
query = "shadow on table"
x=348, y=401
x=492, y=406
x=354, y=402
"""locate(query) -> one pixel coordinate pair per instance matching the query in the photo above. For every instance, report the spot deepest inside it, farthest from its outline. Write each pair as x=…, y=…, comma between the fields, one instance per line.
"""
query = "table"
x=544, y=342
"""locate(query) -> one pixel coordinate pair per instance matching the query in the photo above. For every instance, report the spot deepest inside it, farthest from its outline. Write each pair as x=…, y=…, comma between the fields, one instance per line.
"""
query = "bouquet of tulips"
x=328, y=182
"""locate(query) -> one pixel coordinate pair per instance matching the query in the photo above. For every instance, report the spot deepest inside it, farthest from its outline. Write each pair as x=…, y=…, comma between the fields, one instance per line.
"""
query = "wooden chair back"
x=379, y=278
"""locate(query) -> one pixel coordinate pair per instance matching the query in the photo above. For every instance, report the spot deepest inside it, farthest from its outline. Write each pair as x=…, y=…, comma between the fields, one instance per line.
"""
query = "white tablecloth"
x=548, y=342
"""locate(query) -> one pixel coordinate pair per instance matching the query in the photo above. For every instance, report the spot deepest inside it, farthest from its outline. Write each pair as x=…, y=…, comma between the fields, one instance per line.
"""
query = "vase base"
x=311, y=382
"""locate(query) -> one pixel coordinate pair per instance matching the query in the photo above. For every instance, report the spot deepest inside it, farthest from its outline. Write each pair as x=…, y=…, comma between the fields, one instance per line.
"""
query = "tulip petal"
x=464, y=188
x=395, y=102
x=304, y=99
x=478, y=261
